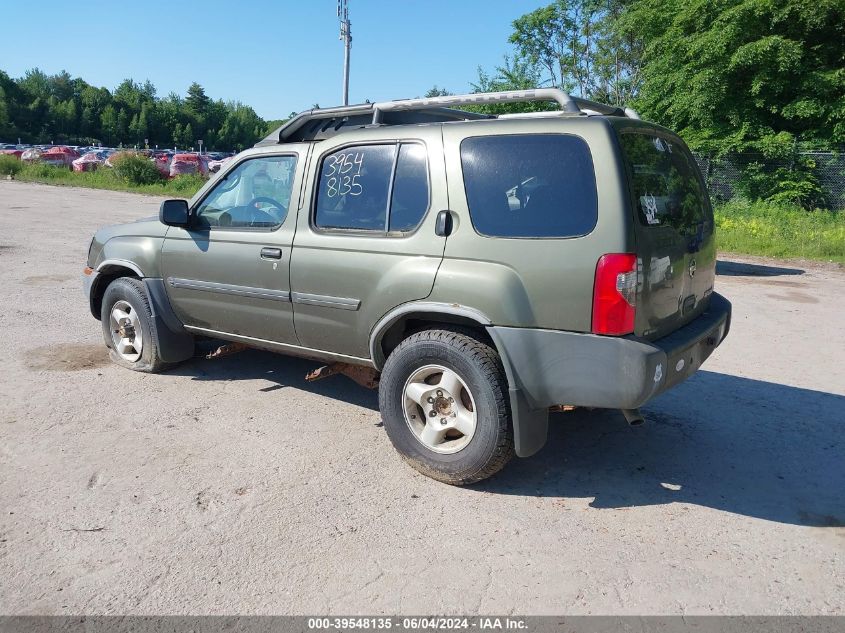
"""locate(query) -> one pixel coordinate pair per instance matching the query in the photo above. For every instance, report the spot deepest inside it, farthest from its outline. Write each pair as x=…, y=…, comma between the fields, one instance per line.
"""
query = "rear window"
x=665, y=182
x=530, y=185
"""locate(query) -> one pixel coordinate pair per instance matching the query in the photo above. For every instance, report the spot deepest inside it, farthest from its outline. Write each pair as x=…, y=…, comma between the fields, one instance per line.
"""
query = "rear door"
x=673, y=223
x=367, y=243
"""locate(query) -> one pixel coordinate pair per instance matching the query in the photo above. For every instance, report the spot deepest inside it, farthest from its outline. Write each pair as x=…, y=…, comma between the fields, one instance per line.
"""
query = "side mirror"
x=174, y=213
x=443, y=223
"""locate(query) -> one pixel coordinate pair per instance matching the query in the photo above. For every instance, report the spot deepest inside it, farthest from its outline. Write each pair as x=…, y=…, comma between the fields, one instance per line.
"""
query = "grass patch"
x=9, y=165
x=104, y=178
x=779, y=230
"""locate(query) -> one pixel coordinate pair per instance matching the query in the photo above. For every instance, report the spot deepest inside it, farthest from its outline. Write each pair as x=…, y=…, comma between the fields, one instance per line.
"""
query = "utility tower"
x=346, y=37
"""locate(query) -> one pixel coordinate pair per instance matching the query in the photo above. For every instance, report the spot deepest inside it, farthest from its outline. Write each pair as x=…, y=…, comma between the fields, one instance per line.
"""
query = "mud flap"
x=175, y=344
x=530, y=427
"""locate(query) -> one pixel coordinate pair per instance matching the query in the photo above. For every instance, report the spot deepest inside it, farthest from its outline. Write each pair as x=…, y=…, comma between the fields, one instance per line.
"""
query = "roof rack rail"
x=321, y=123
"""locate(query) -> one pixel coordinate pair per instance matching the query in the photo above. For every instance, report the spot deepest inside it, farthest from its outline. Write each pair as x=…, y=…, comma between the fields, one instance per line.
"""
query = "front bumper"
x=551, y=367
x=88, y=279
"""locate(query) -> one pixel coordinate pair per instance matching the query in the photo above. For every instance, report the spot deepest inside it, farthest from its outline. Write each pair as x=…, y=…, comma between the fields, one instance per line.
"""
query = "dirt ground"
x=232, y=486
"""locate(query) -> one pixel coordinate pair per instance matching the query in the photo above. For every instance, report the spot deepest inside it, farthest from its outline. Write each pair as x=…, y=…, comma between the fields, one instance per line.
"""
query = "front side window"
x=530, y=185
x=255, y=194
x=380, y=188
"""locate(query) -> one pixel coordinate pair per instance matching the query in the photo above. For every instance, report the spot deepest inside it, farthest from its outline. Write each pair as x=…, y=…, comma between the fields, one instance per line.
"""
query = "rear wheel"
x=128, y=326
x=443, y=399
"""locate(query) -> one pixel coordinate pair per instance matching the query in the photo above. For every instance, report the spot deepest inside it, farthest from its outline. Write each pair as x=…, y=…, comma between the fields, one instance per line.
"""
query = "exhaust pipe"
x=633, y=416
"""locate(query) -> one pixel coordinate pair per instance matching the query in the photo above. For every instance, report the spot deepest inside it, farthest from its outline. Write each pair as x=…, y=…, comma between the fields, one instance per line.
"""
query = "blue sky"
x=277, y=56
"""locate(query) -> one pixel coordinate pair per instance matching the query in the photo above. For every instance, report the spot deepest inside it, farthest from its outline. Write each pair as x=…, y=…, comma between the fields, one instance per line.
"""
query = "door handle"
x=271, y=253
x=443, y=223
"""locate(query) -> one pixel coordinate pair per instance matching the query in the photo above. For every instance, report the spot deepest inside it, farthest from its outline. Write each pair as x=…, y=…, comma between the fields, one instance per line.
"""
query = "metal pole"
x=346, y=36
x=346, y=69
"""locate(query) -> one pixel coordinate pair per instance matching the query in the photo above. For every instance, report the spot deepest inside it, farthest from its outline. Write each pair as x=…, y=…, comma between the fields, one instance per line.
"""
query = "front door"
x=229, y=271
x=368, y=243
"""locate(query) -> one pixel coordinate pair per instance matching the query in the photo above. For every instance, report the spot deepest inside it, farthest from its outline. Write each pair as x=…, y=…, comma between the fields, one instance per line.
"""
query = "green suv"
x=478, y=269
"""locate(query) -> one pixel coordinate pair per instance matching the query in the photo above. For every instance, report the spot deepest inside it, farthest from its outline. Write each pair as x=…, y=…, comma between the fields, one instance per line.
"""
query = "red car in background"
x=162, y=162
x=59, y=156
x=89, y=161
x=188, y=164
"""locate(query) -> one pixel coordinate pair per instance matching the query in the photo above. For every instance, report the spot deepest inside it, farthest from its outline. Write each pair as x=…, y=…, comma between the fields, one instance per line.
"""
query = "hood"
x=144, y=227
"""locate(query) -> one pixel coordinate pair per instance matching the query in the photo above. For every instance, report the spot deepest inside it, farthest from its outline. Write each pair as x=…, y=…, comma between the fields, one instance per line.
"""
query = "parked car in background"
x=216, y=165
x=188, y=164
x=17, y=153
x=31, y=155
x=90, y=161
x=59, y=156
x=162, y=162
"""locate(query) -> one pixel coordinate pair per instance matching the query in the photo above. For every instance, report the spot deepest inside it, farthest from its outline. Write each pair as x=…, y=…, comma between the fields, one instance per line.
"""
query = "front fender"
x=141, y=254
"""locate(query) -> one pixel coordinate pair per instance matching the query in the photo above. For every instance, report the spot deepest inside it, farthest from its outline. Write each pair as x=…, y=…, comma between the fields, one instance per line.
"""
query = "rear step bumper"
x=551, y=367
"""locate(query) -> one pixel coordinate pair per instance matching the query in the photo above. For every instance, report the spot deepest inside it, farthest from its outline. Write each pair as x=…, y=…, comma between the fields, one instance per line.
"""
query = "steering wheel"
x=259, y=216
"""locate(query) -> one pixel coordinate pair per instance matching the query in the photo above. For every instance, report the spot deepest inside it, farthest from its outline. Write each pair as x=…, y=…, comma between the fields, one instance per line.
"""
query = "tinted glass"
x=664, y=178
x=354, y=185
x=410, y=188
x=255, y=194
x=531, y=185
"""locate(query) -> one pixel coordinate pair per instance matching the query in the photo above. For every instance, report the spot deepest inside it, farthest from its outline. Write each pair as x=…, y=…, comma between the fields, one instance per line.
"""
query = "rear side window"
x=410, y=188
x=665, y=182
x=530, y=185
x=379, y=188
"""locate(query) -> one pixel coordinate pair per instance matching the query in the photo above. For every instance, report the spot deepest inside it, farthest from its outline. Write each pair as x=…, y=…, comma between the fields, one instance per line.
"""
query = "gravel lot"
x=232, y=486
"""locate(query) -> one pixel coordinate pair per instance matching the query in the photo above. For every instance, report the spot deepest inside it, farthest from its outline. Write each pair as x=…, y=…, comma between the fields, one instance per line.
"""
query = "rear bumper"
x=550, y=367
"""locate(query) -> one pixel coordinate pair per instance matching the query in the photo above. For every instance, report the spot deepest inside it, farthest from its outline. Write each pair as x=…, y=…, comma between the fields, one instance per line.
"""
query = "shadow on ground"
x=744, y=446
x=740, y=269
x=281, y=371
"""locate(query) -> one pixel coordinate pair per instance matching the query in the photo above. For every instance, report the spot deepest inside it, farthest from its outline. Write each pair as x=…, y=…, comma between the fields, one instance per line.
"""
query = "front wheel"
x=128, y=327
x=443, y=399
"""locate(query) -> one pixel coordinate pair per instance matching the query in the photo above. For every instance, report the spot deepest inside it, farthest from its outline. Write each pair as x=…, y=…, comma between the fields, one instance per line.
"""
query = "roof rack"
x=321, y=123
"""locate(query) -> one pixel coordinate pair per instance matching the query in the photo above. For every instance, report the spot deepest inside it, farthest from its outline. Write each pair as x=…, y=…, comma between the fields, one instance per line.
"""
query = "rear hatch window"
x=674, y=231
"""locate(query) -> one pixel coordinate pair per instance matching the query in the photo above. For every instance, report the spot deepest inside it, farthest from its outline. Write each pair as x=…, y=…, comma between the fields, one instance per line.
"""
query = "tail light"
x=615, y=294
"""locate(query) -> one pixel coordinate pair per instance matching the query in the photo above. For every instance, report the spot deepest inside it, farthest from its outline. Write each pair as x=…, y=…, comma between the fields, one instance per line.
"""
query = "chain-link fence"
x=728, y=177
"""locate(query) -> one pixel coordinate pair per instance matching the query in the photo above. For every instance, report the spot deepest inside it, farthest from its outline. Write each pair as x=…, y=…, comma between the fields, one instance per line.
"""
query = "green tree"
x=197, y=101
x=436, y=91
x=513, y=74
x=177, y=135
x=5, y=127
x=744, y=76
x=108, y=125
x=188, y=139
x=39, y=107
x=579, y=45
x=87, y=126
x=122, y=125
x=143, y=125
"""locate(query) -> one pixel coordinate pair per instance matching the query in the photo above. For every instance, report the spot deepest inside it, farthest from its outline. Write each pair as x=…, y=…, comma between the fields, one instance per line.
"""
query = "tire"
x=128, y=296
x=451, y=446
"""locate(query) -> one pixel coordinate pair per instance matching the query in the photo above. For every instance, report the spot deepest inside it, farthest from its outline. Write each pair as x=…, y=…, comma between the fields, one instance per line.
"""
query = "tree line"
x=754, y=78
x=42, y=108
